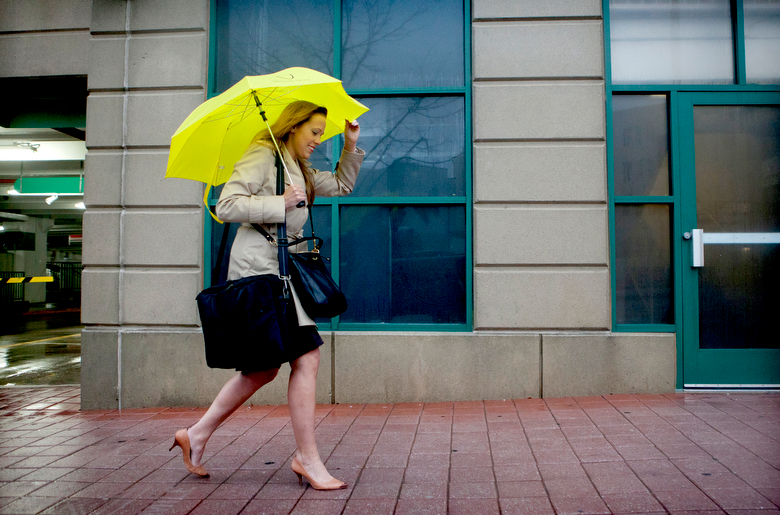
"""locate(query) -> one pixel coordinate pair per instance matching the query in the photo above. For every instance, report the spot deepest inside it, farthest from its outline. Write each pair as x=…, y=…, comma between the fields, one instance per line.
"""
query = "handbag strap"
x=259, y=228
x=216, y=271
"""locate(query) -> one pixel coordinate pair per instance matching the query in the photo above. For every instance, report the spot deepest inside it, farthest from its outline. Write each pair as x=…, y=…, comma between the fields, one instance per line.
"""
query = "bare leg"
x=301, y=395
x=235, y=393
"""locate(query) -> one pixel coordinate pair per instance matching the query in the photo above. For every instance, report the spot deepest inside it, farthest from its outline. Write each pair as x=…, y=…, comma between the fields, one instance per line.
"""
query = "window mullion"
x=337, y=24
x=738, y=17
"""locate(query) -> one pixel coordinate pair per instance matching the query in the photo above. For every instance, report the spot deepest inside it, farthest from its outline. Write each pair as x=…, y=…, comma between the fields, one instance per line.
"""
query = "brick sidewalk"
x=680, y=453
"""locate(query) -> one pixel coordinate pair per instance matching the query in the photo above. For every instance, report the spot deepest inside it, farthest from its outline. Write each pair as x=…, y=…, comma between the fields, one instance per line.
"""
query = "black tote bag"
x=245, y=323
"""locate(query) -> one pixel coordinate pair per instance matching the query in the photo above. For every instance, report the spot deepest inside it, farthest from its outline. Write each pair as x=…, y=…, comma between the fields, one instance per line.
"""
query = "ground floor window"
x=400, y=244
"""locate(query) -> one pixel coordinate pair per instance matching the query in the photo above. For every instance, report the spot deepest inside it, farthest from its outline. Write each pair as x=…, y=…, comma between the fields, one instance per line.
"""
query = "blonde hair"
x=295, y=115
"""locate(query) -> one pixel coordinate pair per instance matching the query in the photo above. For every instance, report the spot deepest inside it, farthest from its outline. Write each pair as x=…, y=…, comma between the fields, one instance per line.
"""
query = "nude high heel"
x=333, y=484
x=182, y=439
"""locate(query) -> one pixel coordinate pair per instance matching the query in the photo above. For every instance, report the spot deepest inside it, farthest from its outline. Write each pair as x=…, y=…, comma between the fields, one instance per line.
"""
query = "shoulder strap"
x=216, y=271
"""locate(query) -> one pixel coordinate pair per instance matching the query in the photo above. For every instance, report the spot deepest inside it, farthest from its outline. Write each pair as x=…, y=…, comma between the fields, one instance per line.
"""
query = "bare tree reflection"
x=264, y=37
x=373, y=27
x=384, y=43
x=414, y=147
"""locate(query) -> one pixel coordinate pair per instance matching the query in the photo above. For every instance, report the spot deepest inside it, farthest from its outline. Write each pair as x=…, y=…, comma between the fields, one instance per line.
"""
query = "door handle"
x=698, y=247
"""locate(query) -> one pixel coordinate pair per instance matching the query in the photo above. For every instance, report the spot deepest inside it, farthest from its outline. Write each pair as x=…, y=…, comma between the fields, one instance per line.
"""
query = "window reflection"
x=762, y=41
x=640, y=142
x=403, y=265
x=414, y=147
x=256, y=37
x=643, y=272
x=402, y=43
x=671, y=42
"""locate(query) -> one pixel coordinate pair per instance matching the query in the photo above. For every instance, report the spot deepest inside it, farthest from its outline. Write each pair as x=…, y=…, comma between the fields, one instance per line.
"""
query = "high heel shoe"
x=182, y=439
x=333, y=484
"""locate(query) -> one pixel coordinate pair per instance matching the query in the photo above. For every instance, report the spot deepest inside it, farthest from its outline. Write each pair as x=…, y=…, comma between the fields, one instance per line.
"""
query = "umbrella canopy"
x=217, y=133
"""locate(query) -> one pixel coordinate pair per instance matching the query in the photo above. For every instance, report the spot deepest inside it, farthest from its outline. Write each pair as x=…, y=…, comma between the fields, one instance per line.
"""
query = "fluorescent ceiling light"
x=50, y=200
x=81, y=205
x=49, y=151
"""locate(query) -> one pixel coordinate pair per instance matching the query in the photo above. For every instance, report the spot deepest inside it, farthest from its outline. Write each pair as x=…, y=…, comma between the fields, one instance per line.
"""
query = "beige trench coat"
x=249, y=196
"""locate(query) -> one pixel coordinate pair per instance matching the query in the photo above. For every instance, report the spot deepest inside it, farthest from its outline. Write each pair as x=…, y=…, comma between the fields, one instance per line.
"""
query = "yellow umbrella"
x=217, y=133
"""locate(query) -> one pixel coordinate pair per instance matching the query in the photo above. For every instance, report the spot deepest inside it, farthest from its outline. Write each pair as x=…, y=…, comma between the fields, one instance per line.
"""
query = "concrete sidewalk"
x=680, y=453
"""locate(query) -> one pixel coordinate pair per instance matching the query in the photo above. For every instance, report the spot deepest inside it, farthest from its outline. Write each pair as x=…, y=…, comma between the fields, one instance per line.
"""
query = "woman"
x=250, y=196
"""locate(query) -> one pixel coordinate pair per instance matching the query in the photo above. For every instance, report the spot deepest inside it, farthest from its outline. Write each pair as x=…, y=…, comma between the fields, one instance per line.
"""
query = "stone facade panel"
x=539, y=110
x=152, y=118
x=109, y=16
x=99, y=368
x=160, y=15
x=540, y=172
x=541, y=298
x=608, y=364
x=107, y=63
x=167, y=61
x=35, y=15
x=435, y=367
x=44, y=54
x=170, y=238
x=535, y=9
x=101, y=237
x=160, y=296
x=548, y=235
x=104, y=187
x=100, y=297
x=105, y=113
x=146, y=185
x=539, y=49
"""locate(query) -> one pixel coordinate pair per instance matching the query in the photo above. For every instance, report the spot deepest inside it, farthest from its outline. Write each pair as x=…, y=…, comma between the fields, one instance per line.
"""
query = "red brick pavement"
x=679, y=453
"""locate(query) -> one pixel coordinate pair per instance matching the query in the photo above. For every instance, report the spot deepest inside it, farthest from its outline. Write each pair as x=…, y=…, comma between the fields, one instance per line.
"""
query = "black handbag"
x=245, y=322
x=319, y=294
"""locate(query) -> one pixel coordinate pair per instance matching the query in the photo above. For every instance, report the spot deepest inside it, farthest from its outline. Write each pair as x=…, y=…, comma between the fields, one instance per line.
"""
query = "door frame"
x=694, y=363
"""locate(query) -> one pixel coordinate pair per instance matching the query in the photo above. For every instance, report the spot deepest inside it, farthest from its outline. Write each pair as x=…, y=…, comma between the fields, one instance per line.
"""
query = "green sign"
x=50, y=185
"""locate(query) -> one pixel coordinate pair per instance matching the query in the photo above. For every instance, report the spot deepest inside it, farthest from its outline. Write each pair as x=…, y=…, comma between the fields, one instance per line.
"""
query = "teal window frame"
x=673, y=200
x=463, y=91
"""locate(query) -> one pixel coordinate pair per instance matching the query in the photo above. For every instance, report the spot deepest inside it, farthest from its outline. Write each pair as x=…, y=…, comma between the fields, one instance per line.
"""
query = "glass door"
x=730, y=198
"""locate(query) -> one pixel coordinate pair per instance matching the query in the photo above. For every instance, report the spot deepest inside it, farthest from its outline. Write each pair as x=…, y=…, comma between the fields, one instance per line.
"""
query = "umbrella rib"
x=247, y=106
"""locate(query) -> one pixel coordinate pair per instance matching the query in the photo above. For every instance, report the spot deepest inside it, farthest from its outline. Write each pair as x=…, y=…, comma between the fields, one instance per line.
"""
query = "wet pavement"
x=684, y=453
x=41, y=355
x=679, y=453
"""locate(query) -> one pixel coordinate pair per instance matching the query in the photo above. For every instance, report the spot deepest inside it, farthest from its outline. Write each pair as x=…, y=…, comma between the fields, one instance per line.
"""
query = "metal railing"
x=11, y=292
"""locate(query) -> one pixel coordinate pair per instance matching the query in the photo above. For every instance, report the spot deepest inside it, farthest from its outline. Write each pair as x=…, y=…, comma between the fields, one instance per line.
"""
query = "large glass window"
x=399, y=244
x=659, y=49
x=256, y=37
x=762, y=41
x=671, y=42
x=640, y=145
x=643, y=262
x=415, y=147
x=416, y=271
x=402, y=43
x=642, y=195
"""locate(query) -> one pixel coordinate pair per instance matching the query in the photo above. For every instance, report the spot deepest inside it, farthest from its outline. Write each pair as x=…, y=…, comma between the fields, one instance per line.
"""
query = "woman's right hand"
x=293, y=196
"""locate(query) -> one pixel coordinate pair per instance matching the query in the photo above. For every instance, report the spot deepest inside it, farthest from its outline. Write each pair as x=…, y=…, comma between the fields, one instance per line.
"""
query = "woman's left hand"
x=351, y=133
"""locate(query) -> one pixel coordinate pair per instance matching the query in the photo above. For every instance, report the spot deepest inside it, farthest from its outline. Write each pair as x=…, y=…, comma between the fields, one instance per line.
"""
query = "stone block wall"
x=44, y=38
x=541, y=238
x=540, y=167
x=143, y=243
